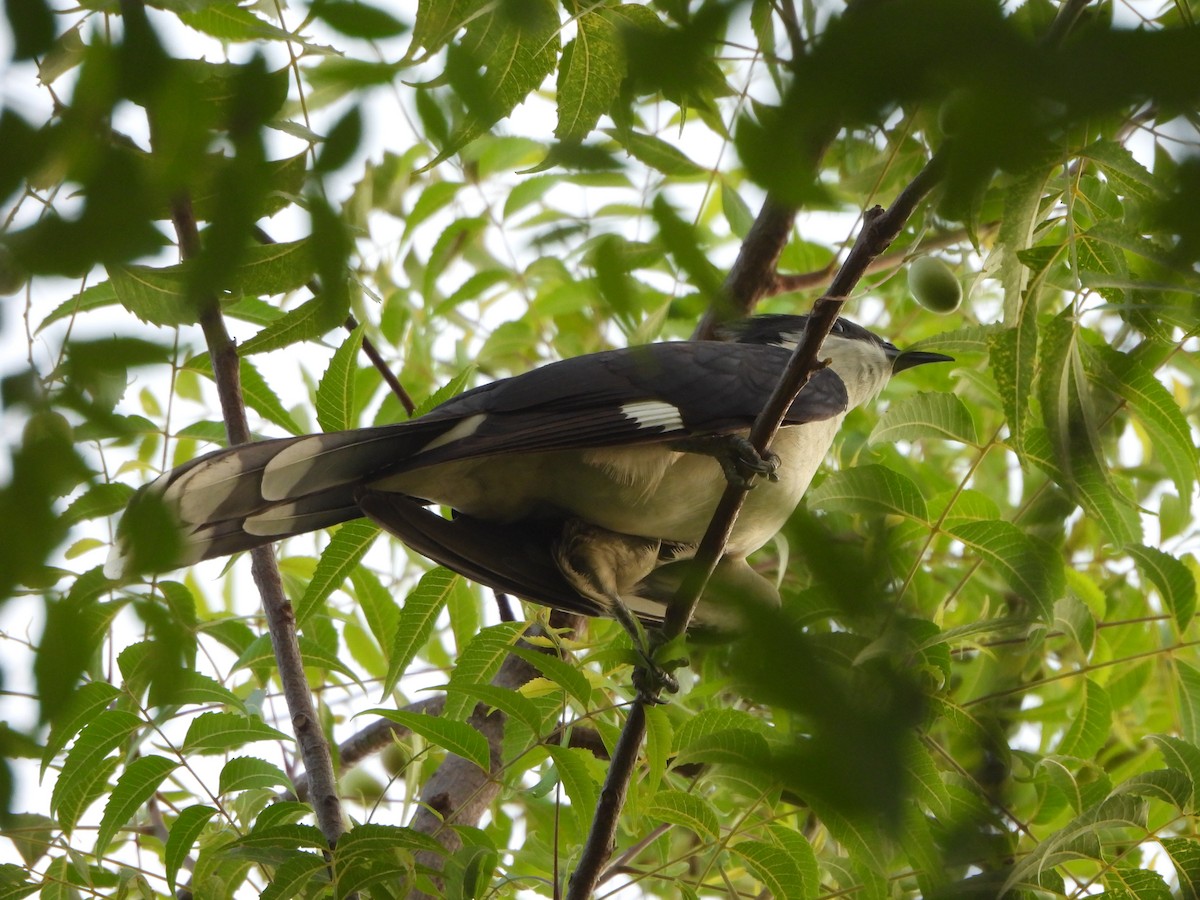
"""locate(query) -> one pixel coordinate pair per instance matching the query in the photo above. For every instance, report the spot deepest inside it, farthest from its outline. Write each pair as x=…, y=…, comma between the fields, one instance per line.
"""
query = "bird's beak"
x=907, y=359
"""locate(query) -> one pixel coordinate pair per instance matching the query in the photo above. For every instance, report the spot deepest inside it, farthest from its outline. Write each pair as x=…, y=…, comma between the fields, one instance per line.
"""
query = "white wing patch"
x=653, y=414
x=464, y=428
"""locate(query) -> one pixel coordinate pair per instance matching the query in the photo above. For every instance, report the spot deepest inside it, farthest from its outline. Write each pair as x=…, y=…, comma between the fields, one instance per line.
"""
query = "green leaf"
x=198, y=689
x=271, y=269
x=478, y=662
x=1156, y=409
x=378, y=605
x=1089, y=728
x=101, y=500
x=574, y=773
x=88, y=701
x=656, y=153
x=1013, y=358
x=306, y=322
x=136, y=785
x=688, y=810
x=98, y=296
x=244, y=773
x=457, y=737
x=558, y=671
x=1187, y=681
x=418, y=615
x=497, y=63
x=184, y=832
x=255, y=390
x=295, y=875
x=589, y=75
x=157, y=296
x=216, y=732
x=926, y=415
x=339, y=558
x=1175, y=582
x=1185, y=857
x=870, y=490
x=512, y=703
x=800, y=850
x=1098, y=493
x=335, y=393
x=1032, y=570
x=85, y=770
x=774, y=867
x=359, y=20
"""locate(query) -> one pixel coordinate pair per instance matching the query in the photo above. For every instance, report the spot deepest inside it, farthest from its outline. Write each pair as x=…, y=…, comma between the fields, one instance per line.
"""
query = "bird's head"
x=863, y=360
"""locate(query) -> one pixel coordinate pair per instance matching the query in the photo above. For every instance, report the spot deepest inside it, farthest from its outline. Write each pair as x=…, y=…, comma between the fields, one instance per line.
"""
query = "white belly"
x=648, y=491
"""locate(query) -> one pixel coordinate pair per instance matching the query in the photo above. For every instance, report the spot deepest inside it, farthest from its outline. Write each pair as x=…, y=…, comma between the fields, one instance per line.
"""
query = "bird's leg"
x=599, y=563
x=739, y=459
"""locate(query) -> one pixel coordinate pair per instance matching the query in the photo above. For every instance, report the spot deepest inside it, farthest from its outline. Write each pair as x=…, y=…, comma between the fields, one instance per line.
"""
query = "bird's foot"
x=739, y=459
x=651, y=677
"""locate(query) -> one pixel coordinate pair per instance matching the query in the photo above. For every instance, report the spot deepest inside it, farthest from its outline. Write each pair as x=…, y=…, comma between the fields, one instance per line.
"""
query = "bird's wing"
x=620, y=397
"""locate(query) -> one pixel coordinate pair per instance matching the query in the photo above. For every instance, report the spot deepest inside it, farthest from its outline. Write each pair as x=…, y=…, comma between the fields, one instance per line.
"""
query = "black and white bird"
x=579, y=485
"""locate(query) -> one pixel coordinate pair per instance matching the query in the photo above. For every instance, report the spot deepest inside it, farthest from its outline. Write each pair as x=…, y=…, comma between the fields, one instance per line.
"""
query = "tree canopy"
x=229, y=221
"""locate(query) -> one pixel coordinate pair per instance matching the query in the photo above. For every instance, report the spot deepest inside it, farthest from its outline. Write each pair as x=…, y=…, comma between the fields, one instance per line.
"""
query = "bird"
x=584, y=484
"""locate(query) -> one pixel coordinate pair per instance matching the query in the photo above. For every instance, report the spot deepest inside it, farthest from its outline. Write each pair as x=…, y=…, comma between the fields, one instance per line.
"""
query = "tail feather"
x=245, y=496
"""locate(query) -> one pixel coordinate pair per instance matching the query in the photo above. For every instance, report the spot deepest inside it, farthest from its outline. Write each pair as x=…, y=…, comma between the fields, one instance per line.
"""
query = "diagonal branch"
x=281, y=619
x=879, y=229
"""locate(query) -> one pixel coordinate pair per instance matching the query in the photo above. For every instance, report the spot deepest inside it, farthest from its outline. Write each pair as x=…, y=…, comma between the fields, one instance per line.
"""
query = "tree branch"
x=879, y=229
x=281, y=619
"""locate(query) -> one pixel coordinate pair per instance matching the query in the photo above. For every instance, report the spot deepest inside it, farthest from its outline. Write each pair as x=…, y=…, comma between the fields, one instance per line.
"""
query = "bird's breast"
x=646, y=490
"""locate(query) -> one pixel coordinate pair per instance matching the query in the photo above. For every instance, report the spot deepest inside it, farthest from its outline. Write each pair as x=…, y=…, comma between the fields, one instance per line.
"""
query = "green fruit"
x=934, y=285
x=12, y=276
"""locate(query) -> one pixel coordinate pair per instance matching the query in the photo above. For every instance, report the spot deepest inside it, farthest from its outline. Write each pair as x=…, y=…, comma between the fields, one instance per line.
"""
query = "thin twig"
x=368, y=346
x=281, y=619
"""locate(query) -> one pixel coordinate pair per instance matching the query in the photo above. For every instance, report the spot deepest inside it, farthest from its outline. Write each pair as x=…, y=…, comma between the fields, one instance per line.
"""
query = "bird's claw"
x=651, y=678
x=738, y=457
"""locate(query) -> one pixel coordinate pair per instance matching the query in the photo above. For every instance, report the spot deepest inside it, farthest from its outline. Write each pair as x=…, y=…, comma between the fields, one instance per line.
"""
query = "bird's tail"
x=245, y=496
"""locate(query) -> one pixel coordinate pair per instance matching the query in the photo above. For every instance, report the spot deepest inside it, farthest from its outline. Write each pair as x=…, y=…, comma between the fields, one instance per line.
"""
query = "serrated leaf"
x=512, y=703
x=456, y=737
x=101, y=500
x=197, y=688
x=478, y=662
x=562, y=673
x=154, y=295
x=656, y=153
x=926, y=415
x=280, y=268
x=292, y=877
x=1175, y=582
x=574, y=774
x=136, y=785
x=1126, y=175
x=260, y=653
x=98, y=296
x=306, y=322
x=801, y=851
x=1187, y=680
x=500, y=60
x=774, y=867
x=1185, y=857
x=1013, y=362
x=335, y=392
x=341, y=555
x=255, y=390
x=1180, y=755
x=684, y=809
x=216, y=732
x=1033, y=570
x=589, y=75
x=1097, y=493
x=88, y=701
x=870, y=490
x=1089, y=727
x=418, y=614
x=1150, y=401
x=247, y=772
x=378, y=605
x=731, y=747
x=86, y=769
